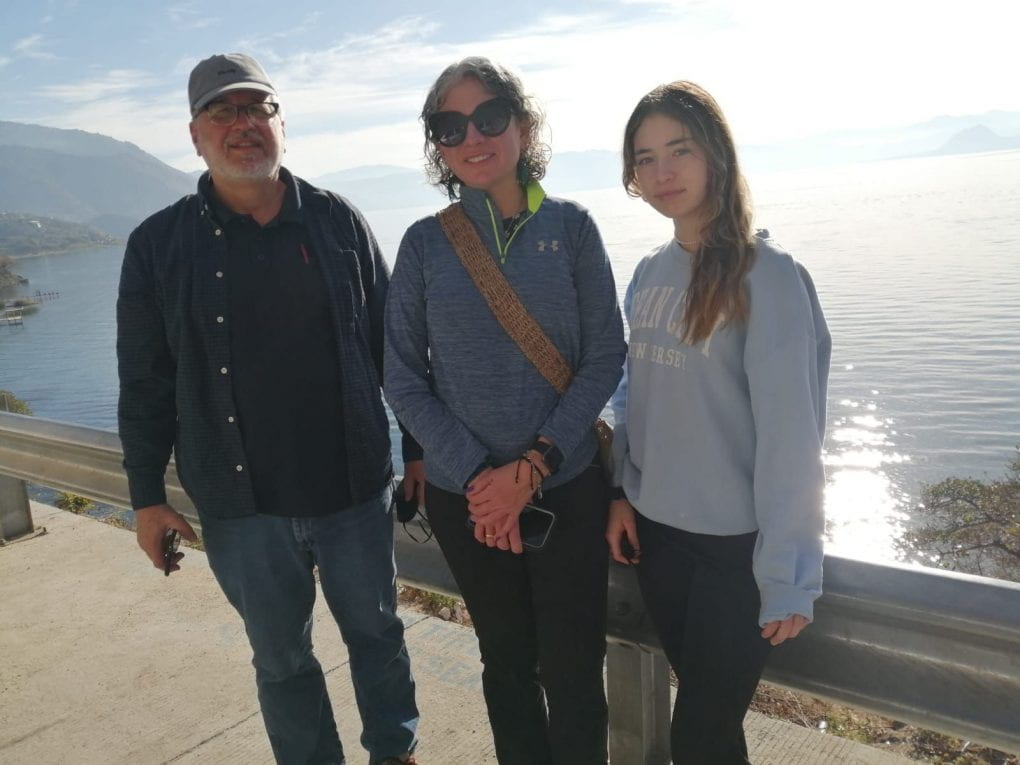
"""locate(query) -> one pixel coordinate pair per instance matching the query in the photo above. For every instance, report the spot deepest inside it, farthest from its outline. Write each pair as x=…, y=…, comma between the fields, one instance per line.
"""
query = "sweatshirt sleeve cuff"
x=781, y=601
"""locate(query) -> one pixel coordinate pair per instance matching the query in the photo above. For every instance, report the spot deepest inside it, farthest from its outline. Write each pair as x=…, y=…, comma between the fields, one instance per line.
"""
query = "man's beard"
x=258, y=168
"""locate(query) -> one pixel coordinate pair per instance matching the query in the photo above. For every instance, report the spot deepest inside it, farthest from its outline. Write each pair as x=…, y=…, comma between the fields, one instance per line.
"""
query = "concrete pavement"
x=104, y=660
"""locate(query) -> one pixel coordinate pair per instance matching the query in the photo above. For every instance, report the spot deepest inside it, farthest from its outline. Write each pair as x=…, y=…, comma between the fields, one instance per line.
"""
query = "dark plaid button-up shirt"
x=175, y=363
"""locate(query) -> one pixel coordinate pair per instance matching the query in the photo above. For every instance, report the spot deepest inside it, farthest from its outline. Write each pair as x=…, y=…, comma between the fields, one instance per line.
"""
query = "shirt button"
x=239, y=468
x=230, y=419
x=223, y=370
x=219, y=274
x=218, y=232
x=219, y=319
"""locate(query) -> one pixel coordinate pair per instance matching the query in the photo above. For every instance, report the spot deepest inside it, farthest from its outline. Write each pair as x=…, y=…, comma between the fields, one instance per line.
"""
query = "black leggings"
x=704, y=602
x=540, y=619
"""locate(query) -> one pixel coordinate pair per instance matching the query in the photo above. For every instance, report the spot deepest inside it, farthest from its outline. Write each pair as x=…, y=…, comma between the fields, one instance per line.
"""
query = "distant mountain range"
x=112, y=185
x=83, y=177
x=374, y=187
x=973, y=140
x=388, y=186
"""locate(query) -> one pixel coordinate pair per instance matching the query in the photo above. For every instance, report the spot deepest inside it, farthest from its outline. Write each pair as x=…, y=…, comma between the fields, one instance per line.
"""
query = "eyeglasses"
x=491, y=118
x=221, y=113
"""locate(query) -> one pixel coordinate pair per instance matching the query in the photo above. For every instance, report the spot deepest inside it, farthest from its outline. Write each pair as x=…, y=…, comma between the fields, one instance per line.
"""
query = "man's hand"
x=151, y=524
x=621, y=531
x=414, y=481
x=788, y=628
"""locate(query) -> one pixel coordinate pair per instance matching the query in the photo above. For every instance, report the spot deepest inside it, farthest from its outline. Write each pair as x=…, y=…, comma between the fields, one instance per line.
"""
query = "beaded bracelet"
x=536, y=490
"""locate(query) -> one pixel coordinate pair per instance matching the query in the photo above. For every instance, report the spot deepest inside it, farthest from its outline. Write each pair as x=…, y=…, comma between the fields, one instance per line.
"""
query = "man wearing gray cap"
x=249, y=343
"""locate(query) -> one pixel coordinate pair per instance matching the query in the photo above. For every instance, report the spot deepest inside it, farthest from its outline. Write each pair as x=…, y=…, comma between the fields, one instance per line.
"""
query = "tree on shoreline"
x=972, y=526
x=11, y=403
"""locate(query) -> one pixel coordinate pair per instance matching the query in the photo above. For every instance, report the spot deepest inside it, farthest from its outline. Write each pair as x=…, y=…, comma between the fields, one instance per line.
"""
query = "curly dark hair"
x=500, y=82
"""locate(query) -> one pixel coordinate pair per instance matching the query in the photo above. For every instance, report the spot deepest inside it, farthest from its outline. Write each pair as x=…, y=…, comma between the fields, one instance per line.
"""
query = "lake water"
x=917, y=264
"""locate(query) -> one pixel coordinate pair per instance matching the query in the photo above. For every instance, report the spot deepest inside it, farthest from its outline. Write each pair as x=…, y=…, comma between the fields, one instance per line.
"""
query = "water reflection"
x=865, y=512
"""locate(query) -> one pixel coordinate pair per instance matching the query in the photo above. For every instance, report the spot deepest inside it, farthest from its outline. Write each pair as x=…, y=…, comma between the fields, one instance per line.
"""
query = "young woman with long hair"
x=719, y=424
x=496, y=434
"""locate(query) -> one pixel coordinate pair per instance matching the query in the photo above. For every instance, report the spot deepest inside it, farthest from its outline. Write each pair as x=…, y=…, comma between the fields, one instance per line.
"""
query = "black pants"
x=704, y=602
x=540, y=619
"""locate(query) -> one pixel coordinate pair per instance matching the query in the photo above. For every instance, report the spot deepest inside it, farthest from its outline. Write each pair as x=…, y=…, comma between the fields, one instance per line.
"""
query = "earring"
x=523, y=173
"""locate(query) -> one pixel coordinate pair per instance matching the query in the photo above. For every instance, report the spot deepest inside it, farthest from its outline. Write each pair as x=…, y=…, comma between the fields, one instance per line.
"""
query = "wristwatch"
x=550, y=453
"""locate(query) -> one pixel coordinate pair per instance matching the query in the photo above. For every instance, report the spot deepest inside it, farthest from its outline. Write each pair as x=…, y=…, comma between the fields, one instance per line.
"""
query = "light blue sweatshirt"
x=453, y=376
x=725, y=437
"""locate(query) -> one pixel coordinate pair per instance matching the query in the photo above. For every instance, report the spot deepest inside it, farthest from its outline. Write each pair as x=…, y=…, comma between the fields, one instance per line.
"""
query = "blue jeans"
x=264, y=565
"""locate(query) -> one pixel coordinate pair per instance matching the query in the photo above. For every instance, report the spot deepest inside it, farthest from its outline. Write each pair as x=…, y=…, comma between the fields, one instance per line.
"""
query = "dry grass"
x=874, y=730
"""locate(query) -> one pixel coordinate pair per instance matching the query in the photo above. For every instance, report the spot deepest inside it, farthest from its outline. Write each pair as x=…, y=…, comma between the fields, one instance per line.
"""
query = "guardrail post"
x=15, y=514
x=639, y=709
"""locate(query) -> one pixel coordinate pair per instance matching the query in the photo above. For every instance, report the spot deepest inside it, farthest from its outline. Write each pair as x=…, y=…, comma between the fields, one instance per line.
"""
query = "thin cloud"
x=190, y=16
x=113, y=83
x=308, y=23
x=32, y=47
x=781, y=70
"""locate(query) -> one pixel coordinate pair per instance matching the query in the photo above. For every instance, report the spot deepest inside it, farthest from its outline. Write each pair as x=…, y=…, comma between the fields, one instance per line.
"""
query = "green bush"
x=74, y=503
x=972, y=526
x=11, y=403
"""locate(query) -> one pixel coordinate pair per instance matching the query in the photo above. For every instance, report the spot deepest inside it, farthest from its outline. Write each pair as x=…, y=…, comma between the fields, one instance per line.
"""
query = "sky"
x=352, y=75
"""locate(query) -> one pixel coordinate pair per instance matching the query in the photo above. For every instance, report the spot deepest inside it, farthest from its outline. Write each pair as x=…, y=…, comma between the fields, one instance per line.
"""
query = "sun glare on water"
x=865, y=513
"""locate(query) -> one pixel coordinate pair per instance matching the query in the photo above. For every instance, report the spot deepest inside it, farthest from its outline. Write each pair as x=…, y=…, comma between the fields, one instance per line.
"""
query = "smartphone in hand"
x=171, y=541
x=536, y=523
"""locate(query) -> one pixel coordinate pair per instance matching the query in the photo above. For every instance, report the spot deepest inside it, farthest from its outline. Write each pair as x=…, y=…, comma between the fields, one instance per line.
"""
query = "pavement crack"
x=40, y=729
x=213, y=737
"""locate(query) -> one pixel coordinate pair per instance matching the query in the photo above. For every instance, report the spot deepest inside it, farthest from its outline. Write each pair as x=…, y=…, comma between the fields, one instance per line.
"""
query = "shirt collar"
x=291, y=211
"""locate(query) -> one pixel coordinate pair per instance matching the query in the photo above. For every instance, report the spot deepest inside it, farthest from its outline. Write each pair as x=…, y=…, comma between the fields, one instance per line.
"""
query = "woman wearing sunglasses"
x=719, y=425
x=496, y=433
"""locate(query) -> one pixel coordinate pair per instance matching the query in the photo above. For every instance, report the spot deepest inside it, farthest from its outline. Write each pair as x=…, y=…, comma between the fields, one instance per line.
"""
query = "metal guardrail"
x=928, y=647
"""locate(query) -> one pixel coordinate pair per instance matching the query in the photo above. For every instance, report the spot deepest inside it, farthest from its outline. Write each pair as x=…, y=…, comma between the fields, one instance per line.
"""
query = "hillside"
x=976, y=139
x=22, y=234
x=83, y=177
x=373, y=187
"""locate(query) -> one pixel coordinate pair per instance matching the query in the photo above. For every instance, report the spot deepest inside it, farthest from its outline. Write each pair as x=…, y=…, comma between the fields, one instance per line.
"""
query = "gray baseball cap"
x=224, y=72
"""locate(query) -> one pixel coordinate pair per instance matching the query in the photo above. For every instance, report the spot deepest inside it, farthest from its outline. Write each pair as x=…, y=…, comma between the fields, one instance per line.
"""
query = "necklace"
x=510, y=224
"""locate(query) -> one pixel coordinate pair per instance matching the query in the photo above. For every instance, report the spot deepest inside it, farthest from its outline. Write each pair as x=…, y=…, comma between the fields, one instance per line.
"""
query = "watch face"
x=550, y=454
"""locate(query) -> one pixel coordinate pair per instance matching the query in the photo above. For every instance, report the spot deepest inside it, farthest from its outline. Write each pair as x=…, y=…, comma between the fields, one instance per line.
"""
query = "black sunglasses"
x=491, y=118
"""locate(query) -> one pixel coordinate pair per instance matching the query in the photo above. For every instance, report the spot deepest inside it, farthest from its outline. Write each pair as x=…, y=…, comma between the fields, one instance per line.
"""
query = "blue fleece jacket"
x=725, y=437
x=453, y=376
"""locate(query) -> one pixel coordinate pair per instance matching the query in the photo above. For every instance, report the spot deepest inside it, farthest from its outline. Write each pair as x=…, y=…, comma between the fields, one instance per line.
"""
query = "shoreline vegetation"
x=24, y=235
x=75, y=247
x=8, y=278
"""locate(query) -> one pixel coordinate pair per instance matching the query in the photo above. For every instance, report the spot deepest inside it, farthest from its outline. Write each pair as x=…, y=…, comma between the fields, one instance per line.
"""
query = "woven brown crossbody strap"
x=503, y=301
